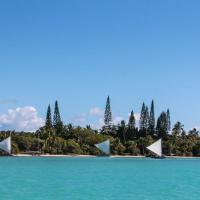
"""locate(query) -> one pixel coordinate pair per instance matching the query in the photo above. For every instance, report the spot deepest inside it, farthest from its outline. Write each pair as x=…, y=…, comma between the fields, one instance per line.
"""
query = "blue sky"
x=78, y=52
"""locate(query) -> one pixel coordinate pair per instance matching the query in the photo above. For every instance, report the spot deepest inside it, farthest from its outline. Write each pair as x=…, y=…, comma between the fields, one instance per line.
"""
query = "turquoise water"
x=99, y=179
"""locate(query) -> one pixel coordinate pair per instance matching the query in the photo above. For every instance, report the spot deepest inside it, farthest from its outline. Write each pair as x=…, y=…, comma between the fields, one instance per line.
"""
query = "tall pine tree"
x=131, y=123
x=168, y=121
x=162, y=125
x=57, y=122
x=146, y=119
x=142, y=117
x=108, y=114
x=48, y=123
x=152, y=119
x=122, y=131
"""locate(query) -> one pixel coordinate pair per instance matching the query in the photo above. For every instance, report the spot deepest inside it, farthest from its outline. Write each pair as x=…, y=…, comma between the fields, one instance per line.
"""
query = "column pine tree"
x=131, y=123
x=168, y=121
x=108, y=114
x=48, y=123
x=152, y=119
x=162, y=125
x=142, y=117
x=57, y=122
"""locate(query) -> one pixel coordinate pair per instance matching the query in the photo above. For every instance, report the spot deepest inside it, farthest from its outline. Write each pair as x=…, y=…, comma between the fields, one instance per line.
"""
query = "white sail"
x=156, y=148
x=104, y=146
x=6, y=145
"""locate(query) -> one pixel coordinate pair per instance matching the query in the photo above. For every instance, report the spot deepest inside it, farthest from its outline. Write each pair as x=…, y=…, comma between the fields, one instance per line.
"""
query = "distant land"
x=56, y=138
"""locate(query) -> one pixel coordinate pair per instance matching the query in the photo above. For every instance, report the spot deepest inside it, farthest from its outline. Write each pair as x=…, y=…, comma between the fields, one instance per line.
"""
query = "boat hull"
x=156, y=157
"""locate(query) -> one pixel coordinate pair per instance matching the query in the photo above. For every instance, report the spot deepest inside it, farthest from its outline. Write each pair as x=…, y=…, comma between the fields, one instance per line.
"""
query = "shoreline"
x=53, y=155
x=91, y=156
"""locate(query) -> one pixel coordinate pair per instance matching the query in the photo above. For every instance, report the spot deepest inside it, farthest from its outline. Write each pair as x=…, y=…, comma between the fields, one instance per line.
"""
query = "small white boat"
x=5, y=145
x=156, y=149
x=104, y=147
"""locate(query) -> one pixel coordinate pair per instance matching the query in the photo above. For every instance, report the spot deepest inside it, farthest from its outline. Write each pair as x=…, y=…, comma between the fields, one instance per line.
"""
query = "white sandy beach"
x=91, y=156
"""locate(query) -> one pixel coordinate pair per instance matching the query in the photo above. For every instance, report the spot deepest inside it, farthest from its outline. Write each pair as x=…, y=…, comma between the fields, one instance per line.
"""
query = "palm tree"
x=178, y=129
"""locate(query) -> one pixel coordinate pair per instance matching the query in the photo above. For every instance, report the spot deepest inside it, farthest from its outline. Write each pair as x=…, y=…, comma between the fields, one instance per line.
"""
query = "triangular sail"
x=6, y=145
x=156, y=148
x=104, y=146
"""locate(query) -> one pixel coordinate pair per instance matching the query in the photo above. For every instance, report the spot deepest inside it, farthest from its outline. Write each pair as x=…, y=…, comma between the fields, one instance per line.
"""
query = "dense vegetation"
x=126, y=139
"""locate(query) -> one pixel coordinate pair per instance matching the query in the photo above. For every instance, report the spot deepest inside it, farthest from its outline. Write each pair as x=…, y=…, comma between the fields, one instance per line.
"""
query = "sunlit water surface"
x=99, y=179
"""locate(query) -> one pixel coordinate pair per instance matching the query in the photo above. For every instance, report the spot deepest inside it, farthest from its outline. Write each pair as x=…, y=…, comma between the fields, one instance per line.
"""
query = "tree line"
x=126, y=138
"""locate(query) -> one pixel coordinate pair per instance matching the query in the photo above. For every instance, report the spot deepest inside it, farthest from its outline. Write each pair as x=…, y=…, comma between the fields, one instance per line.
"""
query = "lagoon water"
x=99, y=179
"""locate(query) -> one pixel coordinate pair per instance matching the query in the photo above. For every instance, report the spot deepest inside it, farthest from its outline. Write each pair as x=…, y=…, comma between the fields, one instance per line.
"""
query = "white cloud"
x=94, y=117
x=96, y=111
x=137, y=117
x=117, y=120
x=80, y=119
x=21, y=119
x=98, y=125
x=91, y=117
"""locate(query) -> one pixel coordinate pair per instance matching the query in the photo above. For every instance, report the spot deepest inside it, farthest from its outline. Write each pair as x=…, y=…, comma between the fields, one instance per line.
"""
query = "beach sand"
x=91, y=156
